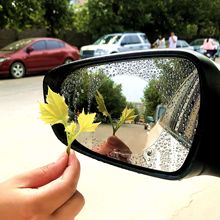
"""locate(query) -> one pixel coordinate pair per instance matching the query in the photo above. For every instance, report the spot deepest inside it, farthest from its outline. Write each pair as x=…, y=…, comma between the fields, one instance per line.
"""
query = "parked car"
x=183, y=44
x=34, y=55
x=197, y=43
x=114, y=43
x=159, y=111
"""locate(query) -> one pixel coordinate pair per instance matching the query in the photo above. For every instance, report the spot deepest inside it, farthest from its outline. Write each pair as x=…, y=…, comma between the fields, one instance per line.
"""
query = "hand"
x=46, y=193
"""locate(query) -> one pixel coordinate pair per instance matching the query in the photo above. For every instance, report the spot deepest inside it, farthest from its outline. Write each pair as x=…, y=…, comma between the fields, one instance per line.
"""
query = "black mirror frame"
x=203, y=155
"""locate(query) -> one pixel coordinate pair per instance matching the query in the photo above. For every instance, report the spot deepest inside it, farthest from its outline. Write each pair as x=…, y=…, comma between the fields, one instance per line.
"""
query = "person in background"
x=172, y=40
x=46, y=193
x=209, y=46
x=160, y=42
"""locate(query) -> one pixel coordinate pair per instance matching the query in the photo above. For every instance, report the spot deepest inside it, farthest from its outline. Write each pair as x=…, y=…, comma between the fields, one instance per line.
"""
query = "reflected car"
x=114, y=43
x=160, y=110
x=35, y=55
x=175, y=128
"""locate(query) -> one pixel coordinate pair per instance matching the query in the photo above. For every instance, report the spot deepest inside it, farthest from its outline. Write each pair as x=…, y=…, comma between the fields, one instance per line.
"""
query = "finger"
x=71, y=208
x=57, y=192
x=43, y=175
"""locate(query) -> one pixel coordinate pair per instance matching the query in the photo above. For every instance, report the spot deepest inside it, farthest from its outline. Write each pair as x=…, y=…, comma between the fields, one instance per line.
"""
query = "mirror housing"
x=203, y=156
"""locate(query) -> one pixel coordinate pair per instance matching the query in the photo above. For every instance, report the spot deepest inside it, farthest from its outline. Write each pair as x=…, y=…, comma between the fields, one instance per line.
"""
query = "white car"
x=183, y=44
x=114, y=43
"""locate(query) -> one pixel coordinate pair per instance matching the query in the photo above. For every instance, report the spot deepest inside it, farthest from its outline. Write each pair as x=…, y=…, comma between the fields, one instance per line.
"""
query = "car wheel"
x=68, y=60
x=17, y=70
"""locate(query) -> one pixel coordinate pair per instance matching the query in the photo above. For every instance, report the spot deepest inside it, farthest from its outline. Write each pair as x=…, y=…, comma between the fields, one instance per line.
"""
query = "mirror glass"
x=149, y=109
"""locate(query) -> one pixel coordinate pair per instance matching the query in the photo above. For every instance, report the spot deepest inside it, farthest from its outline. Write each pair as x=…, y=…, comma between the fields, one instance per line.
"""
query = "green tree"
x=80, y=90
x=152, y=98
x=114, y=99
x=99, y=17
x=55, y=15
x=21, y=14
x=58, y=16
x=172, y=72
x=189, y=19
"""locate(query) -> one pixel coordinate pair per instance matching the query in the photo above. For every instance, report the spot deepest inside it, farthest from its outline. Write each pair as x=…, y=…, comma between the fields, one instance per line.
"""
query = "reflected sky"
x=132, y=87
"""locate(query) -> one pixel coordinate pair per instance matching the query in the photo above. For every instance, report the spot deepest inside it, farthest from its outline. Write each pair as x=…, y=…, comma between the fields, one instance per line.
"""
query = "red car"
x=35, y=55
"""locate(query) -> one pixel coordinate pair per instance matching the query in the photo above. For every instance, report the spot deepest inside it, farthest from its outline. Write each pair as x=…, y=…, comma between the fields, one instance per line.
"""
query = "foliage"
x=172, y=73
x=82, y=87
x=136, y=111
x=187, y=18
x=127, y=114
x=21, y=14
x=56, y=111
x=56, y=16
x=152, y=98
x=102, y=16
x=116, y=102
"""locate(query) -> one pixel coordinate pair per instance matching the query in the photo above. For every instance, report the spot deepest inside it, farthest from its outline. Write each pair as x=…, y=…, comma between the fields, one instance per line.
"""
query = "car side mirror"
x=29, y=49
x=181, y=86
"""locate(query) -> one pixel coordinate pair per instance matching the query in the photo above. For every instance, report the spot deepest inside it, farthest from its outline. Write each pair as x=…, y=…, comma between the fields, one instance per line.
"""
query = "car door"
x=55, y=53
x=35, y=60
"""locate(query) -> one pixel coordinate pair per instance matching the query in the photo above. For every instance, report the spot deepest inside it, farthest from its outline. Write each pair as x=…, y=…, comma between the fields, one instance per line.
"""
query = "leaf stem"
x=68, y=149
x=70, y=141
x=112, y=123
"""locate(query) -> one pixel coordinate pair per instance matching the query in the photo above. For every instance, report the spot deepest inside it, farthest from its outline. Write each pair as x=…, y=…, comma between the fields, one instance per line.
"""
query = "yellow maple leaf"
x=86, y=122
x=55, y=110
x=101, y=104
x=128, y=115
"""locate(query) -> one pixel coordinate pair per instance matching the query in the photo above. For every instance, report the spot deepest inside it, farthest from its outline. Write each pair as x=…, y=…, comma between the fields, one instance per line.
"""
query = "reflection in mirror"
x=148, y=109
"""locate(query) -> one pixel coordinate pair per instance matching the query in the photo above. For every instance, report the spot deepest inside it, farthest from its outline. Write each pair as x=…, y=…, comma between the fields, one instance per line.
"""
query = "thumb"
x=43, y=175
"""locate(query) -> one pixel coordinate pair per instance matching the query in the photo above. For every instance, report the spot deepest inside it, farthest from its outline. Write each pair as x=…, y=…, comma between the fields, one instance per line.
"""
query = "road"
x=110, y=193
x=126, y=133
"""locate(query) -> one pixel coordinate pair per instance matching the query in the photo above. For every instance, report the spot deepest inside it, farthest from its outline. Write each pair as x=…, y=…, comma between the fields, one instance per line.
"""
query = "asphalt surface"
x=111, y=193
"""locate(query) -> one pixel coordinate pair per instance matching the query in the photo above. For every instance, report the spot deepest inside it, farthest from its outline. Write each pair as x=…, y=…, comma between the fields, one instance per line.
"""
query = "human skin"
x=46, y=193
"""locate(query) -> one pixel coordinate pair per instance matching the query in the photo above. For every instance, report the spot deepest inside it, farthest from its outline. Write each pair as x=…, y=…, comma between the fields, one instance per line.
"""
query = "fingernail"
x=72, y=156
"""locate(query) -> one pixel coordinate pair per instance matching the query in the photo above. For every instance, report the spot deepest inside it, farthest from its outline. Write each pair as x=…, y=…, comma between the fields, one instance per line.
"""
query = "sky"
x=132, y=87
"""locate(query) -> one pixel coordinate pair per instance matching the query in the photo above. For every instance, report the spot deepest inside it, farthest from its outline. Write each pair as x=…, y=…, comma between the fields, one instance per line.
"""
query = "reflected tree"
x=171, y=74
x=80, y=88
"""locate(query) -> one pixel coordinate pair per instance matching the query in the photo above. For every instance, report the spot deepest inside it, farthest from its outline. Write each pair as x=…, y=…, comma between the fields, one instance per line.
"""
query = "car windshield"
x=108, y=39
x=197, y=42
x=143, y=36
x=17, y=45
